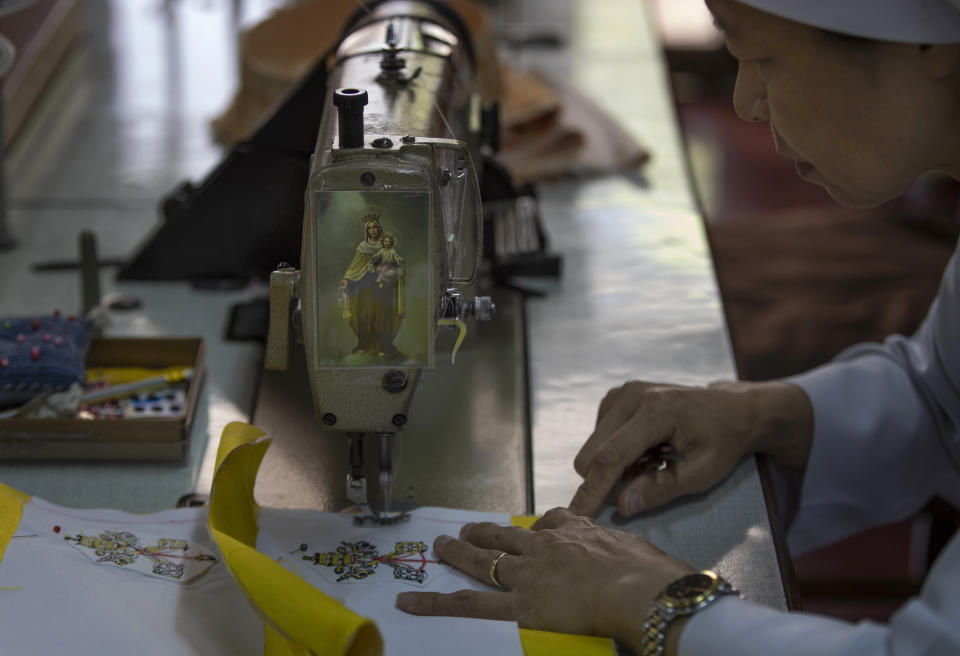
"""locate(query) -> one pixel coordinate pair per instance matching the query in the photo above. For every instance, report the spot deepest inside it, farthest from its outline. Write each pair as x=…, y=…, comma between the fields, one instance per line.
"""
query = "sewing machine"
x=392, y=230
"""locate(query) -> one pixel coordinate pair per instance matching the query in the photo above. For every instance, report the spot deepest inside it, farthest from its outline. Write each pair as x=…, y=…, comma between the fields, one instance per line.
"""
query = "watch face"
x=690, y=590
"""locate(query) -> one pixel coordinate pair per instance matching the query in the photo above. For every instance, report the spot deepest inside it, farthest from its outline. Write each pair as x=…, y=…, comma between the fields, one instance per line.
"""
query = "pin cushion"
x=41, y=354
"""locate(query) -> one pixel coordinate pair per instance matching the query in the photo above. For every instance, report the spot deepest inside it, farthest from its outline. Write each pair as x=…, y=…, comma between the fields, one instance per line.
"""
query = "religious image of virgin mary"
x=372, y=291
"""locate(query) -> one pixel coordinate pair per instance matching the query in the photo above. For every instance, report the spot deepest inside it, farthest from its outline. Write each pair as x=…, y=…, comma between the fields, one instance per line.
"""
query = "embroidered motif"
x=358, y=560
x=169, y=557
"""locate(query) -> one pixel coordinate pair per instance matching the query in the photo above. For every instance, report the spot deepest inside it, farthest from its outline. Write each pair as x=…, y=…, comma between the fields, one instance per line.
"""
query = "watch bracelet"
x=659, y=618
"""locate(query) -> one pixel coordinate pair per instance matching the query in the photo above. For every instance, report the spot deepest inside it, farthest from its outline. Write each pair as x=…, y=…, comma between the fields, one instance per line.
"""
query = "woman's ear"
x=940, y=60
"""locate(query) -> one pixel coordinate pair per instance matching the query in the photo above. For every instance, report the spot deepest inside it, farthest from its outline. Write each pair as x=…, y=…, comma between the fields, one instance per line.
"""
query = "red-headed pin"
x=35, y=353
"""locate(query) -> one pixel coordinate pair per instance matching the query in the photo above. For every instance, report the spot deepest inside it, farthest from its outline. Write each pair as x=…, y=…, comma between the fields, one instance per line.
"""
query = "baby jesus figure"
x=388, y=263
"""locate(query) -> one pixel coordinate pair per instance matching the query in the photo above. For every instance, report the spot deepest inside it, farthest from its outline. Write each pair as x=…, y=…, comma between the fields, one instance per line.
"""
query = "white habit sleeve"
x=886, y=428
x=886, y=439
x=929, y=625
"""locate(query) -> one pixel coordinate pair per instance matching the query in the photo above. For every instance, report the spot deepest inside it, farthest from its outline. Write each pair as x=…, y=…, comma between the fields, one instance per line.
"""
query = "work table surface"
x=127, y=119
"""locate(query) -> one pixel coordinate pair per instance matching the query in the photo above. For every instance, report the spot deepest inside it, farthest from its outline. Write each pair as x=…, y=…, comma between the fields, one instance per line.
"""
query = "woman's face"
x=848, y=115
x=373, y=231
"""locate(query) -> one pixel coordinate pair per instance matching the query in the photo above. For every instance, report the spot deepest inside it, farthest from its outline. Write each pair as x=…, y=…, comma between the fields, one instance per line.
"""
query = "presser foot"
x=368, y=518
x=365, y=515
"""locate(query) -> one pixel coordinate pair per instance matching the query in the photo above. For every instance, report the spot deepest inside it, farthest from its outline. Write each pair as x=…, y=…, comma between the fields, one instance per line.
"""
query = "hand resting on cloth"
x=567, y=574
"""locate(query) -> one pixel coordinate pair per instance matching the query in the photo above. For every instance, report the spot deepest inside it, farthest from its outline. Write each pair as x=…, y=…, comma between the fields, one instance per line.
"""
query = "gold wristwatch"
x=683, y=597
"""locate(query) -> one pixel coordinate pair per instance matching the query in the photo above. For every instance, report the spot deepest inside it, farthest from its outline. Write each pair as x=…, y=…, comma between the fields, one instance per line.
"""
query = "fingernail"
x=441, y=542
x=407, y=601
x=633, y=503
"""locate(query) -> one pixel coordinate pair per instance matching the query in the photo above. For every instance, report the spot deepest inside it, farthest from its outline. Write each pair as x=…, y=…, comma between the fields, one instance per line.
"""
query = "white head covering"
x=906, y=21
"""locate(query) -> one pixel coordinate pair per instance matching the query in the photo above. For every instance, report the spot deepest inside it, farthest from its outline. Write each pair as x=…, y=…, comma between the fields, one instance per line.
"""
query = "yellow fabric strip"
x=524, y=521
x=232, y=507
x=299, y=618
x=548, y=643
x=275, y=644
x=11, y=509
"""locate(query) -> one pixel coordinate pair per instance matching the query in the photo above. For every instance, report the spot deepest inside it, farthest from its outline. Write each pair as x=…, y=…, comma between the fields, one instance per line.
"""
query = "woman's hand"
x=568, y=574
x=711, y=427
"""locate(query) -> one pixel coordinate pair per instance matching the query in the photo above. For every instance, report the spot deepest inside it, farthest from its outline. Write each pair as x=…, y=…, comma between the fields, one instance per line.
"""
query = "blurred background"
x=133, y=96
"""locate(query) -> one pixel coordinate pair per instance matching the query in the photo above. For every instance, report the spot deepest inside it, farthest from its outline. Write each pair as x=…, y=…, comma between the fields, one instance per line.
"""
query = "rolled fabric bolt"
x=47, y=337
x=35, y=353
x=4, y=362
x=21, y=338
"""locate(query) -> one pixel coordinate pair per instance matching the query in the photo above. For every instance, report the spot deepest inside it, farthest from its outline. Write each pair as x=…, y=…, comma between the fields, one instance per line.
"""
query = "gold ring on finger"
x=493, y=570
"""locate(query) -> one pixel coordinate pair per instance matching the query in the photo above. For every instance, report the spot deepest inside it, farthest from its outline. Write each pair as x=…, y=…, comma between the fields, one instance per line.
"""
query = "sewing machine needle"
x=386, y=470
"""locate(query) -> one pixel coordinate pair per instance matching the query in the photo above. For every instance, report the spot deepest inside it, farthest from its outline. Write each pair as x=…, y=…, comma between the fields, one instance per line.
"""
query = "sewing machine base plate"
x=466, y=444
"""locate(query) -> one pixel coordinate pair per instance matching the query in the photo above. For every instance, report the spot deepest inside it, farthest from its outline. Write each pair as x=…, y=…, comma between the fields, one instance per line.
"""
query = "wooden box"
x=114, y=439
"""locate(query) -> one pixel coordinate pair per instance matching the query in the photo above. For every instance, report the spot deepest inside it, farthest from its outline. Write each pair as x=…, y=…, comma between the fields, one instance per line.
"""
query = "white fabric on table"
x=54, y=600
x=283, y=531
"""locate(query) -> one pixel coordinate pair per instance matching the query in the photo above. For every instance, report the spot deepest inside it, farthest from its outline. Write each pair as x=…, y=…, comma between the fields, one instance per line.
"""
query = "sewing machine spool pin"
x=350, y=103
